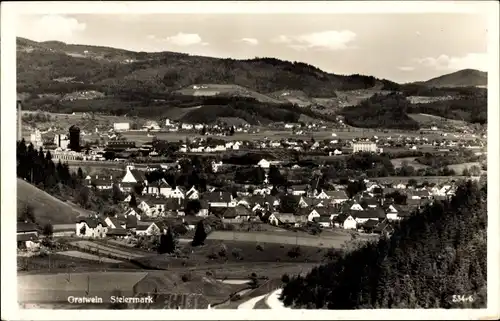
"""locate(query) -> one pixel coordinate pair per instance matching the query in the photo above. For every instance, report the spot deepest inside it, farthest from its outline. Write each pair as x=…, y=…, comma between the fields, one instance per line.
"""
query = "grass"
x=230, y=89
x=105, y=250
x=289, y=238
x=398, y=162
x=419, y=179
x=429, y=120
x=88, y=256
x=459, y=168
x=47, y=208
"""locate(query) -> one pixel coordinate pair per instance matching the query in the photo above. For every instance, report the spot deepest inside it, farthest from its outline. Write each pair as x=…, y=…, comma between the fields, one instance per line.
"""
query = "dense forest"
x=103, y=69
x=436, y=254
x=473, y=109
x=381, y=111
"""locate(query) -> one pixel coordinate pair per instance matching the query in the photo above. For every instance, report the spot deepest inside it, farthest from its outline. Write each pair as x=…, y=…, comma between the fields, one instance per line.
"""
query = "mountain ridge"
x=461, y=78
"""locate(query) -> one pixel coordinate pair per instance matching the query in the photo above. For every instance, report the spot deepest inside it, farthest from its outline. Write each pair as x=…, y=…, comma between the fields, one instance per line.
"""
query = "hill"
x=461, y=78
x=47, y=208
x=429, y=258
x=57, y=67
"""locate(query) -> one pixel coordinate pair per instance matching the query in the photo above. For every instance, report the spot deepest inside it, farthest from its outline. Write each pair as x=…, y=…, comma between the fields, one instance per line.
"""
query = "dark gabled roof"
x=131, y=221
x=232, y=212
x=370, y=223
x=322, y=219
x=142, y=227
x=23, y=227
x=217, y=197
x=383, y=226
x=117, y=232
x=369, y=213
x=115, y=221
x=91, y=222
x=138, y=175
x=161, y=183
x=204, y=204
x=369, y=201
x=173, y=204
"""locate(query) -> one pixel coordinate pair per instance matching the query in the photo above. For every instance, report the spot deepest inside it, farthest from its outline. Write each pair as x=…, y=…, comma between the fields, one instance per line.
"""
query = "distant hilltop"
x=461, y=78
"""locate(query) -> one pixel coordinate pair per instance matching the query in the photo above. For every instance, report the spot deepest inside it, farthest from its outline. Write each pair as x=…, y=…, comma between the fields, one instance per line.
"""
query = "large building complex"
x=364, y=147
x=121, y=126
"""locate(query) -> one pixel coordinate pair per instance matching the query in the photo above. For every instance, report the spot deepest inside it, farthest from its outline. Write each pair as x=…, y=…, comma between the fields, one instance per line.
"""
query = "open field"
x=459, y=168
x=118, y=252
x=141, y=137
x=88, y=256
x=47, y=208
x=333, y=240
x=219, y=89
x=398, y=162
x=429, y=120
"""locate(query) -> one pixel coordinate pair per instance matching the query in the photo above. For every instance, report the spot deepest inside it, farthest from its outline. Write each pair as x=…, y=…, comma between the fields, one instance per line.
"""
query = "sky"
x=401, y=47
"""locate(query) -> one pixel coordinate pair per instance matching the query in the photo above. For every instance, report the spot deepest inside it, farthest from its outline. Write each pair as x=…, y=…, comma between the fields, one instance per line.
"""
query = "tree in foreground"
x=168, y=242
x=200, y=234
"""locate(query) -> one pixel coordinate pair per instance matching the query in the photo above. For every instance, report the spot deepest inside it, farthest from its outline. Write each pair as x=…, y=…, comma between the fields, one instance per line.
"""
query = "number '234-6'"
x=462, y=298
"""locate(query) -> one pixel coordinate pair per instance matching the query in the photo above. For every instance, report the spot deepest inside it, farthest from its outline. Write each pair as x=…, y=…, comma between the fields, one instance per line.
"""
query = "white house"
x=27, y=236
x=132, y=212
x=176, y=193
x=216, y=166
x=160, y=187
x=322, y=196
x=219, y=199
x=121, y=126
x=356, y=207
x=187, y=126
x=312, y=215
x=113, y=223
x=147, y=229
x=392, y=213
x=91, y=227
x=192, y=193
x=133, y=175
x=346, y=222
x=264, y=163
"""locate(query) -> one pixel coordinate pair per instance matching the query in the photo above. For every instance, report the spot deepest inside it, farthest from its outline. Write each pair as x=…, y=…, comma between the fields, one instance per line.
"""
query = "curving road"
x=250, y=304
x=273, y=301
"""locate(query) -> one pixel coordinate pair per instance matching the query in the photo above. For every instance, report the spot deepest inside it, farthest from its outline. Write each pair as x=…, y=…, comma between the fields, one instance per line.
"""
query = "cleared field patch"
x=410, y=161
x=88, y=256
x=47, y=208
x=459, y=168
x=227, y=89
x=430, y=120
x=288, y=238
x=121, y=253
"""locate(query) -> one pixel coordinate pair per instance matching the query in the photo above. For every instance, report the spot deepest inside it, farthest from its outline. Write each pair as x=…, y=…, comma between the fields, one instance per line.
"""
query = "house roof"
x=323, y=219
x=23, y=227
x=161, y=183
x=374, y=213
x=339, y=195
x=117, y=232
x=92, y=222
x=114, y=221
x=27, y=237
x=217, y=197
x=290, y=218
x=139, y=176
x=173, y=204
x=131, y=221
x=370, y=223
x=141, y=226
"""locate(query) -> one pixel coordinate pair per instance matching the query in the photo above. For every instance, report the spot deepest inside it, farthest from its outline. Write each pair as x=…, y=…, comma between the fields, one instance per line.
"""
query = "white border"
x=11, y=9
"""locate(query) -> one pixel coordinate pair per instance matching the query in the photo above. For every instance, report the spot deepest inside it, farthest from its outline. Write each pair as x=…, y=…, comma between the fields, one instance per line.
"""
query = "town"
x=172, y=178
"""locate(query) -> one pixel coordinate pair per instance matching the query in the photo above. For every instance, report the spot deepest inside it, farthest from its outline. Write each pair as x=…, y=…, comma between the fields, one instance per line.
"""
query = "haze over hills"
x=205, y=89
x=461, y=78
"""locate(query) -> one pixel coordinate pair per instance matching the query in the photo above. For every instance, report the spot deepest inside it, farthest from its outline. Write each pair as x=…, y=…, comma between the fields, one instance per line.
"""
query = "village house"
x=204, y=207
x=345, y=221
x=177, y=192
x=219, y=199
x=115, y=222
x=160, y=187
x=152, y=207
x=391, y=212
x=372, y=213
x=192, y=194
x=131, y=178
x=27, y=236
x=324, y=221
x=93, y=227
x=236, y=214
x=264, y=163
x=148, y=229
x=337, y=197
x=132, y=212
x=298, y=189
x=287, y=219
x=101, y=183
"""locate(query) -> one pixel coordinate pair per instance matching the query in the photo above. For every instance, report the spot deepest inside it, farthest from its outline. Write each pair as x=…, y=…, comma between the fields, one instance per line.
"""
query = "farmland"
x=108, y=250
x=88, y=256
x=410, y=161
x=47, y=208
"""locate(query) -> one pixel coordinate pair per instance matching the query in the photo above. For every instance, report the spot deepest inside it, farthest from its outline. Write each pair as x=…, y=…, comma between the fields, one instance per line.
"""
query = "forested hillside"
x=42, y=65
x=434, y=255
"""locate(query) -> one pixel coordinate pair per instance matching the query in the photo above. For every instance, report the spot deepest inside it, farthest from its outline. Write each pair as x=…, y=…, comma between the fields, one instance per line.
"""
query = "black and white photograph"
x=210, y=156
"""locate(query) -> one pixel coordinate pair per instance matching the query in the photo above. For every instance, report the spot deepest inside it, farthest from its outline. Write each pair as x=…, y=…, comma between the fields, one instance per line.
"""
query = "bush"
x=236, y=297
x=285, y=278
x=223, y=250
x=212, y=256
x=236, y=253
x=294, y=252
x=186, y=278
x=259, y=248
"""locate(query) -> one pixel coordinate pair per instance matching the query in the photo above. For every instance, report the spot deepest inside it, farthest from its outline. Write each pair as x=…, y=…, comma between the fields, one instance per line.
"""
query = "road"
x=250, y=304
x=271, y=299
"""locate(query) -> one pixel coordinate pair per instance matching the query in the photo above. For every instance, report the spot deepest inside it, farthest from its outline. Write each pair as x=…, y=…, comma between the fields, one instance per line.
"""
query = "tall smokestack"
x=19, y=121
